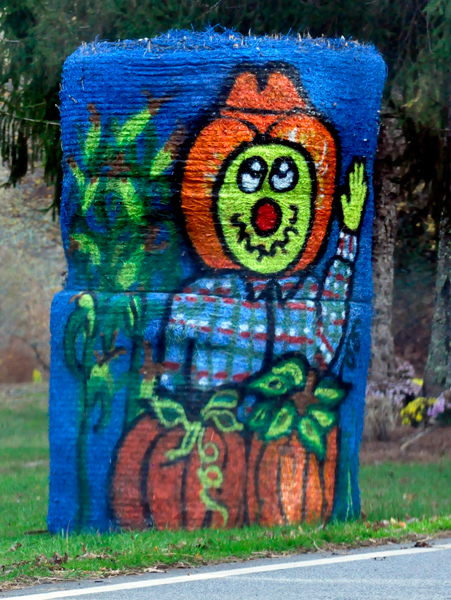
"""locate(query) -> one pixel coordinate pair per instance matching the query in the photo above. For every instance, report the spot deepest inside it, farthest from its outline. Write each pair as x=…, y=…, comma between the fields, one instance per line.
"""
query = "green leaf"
x=131, y=316
x=130, y=200
x=224, y=420
x=89, y=195
x=128, y=133
x=261, y=416
x=311, y=436
x=170, y=413
x=282, y=422
x=189, y=439
x=86, y=302
x=325, y=418
x=100, y=389
x=96, y=386
x=79, y=176
x=127, y=276
x=103, y=372
x=222, y=399
x=161, y=162
x=87, y=246
x=92, y=142
x=76, y=327
x=285, y=377
x=331, y=392
x=140, y=312
x=120, y=315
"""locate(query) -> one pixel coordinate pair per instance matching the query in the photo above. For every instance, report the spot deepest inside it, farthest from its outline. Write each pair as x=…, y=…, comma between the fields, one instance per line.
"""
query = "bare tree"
x=438, y=369
x=384, y=236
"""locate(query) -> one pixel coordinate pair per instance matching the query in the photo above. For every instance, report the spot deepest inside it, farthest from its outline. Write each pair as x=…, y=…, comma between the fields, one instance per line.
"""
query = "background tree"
x=37, y=36
x=438, y=368
x=386, y=193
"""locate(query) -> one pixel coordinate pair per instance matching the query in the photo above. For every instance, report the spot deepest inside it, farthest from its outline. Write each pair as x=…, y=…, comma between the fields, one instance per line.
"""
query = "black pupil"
x=284, y=174
x=251, y=174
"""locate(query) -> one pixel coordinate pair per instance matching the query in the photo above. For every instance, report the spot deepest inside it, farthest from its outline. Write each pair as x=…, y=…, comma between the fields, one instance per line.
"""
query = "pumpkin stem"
x=303, y=399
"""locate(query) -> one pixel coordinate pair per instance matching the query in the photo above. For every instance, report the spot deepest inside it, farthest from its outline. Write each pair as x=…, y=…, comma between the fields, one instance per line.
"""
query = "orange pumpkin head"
x=259, y=181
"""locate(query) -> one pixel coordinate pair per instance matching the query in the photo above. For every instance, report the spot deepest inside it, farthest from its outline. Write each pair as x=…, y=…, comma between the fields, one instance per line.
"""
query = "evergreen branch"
x=6, y=114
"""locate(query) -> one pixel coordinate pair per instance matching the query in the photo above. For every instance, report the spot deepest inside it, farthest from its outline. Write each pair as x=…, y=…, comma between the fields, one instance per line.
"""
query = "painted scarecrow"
x=243, y=420
x=257, y=196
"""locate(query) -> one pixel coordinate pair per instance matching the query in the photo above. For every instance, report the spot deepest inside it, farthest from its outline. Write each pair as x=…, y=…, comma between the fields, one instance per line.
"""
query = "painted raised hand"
x=353, y=204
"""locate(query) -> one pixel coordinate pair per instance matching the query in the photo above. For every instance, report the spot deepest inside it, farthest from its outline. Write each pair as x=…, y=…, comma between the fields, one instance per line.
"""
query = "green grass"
x=24, y=457
x=402, y=490
x=398, y=491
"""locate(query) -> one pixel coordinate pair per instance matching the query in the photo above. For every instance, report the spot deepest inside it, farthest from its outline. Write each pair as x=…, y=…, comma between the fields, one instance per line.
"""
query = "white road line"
x=169, y=580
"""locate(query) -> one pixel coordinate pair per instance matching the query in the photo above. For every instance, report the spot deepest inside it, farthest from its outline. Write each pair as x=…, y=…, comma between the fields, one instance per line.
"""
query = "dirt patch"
x=432, y=447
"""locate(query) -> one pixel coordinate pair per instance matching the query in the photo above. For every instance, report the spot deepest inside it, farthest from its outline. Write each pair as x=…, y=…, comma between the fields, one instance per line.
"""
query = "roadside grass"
x=24, y=460
x=401, y=501
x=406, y=490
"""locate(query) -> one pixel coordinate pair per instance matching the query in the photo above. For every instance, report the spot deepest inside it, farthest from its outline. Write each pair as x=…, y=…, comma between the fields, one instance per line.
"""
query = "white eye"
x=283, y=183
x=251, y=174
x=249, y=183
x=284, y=174
x=256, y=166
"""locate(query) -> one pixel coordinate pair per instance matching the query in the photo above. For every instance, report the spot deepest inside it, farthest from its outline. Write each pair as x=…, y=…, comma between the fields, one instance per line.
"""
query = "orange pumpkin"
x=289, y=485
x=148, y=489
x=278, y=112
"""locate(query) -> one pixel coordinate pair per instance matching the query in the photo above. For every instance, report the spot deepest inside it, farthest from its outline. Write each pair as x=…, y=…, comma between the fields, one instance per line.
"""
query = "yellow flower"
x=37, y=377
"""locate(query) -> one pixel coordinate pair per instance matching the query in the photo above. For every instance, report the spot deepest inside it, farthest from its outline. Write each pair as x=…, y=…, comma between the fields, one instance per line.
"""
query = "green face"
x=264, y=207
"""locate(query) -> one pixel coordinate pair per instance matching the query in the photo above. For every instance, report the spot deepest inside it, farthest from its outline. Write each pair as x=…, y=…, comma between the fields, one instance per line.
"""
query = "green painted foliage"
x=278, y=412
x=92, y=352
x=312, y=437
x=118, y=238
x=285, y=377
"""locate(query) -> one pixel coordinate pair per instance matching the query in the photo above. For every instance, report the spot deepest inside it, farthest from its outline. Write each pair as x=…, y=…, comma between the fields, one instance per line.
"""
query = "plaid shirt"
x=224, y=329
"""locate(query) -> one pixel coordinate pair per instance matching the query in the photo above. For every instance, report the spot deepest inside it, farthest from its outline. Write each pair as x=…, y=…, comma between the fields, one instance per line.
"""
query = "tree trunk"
x=438, y=368
x=384, y=236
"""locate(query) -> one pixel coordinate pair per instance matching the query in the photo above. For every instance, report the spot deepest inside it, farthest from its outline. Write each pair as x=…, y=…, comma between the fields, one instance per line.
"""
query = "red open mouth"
x=266, y=217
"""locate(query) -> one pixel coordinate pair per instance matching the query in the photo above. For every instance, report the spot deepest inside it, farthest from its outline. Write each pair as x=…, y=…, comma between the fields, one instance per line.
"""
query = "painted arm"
x=338, y=279
x=337, y=284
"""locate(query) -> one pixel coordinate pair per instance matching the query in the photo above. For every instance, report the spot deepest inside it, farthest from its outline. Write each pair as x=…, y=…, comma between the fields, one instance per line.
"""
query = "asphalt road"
x=385, y=573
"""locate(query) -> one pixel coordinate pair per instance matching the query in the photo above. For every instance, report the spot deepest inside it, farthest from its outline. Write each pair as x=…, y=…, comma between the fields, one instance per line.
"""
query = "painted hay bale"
x=210, y=349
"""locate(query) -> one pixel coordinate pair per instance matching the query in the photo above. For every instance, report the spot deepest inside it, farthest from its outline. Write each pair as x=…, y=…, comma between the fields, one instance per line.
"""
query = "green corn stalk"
x=91, y=323
x=115, y=186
